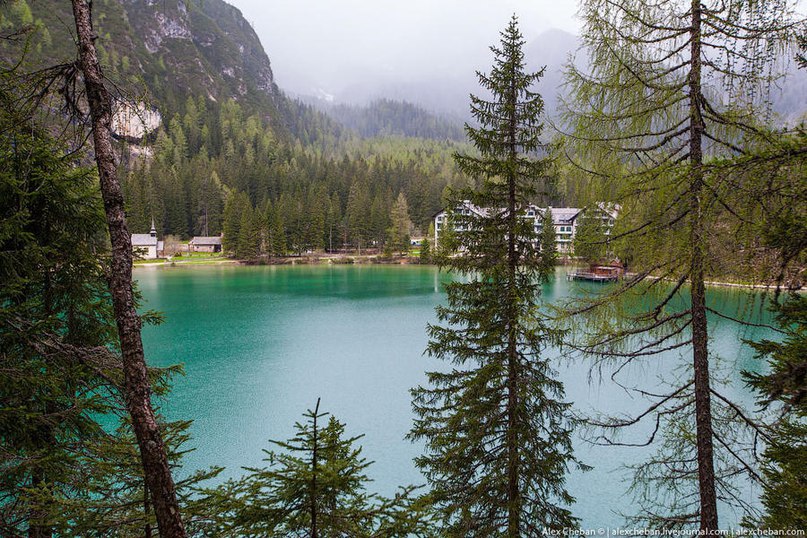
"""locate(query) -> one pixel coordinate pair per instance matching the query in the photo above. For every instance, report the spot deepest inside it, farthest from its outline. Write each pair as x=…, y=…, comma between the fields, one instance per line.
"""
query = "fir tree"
x=497, y=433
x=315, y=486
x=398, y=234
x=785, y=386
x=549, y=248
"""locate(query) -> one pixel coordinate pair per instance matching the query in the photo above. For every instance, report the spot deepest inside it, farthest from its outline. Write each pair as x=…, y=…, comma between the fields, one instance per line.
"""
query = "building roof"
x=144, y=240
x=466, y=204
x=611, y=209
x=560, y=215
x=563, y=215
x=205, y=240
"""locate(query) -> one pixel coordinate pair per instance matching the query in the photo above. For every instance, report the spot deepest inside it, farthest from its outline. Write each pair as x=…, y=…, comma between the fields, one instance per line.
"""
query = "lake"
x=261, y=344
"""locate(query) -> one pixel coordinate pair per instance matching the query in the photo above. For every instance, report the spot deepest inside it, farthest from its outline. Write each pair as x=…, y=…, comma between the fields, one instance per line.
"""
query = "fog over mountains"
x=446, y=92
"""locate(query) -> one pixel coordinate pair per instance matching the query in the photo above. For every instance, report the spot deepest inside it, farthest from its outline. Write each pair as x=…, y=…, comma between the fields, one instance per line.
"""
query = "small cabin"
x=205, y=244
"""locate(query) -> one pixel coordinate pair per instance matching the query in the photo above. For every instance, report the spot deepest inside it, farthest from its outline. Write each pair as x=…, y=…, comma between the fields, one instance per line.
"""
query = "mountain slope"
x=161, y=52
x=386, y=117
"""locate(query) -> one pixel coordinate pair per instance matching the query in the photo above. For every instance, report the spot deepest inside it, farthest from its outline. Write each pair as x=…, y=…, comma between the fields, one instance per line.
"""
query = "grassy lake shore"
x=202, y=259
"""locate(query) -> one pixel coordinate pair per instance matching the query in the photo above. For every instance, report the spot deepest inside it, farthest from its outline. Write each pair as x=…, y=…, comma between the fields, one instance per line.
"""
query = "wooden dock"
x=598, y=273
x=592, y=277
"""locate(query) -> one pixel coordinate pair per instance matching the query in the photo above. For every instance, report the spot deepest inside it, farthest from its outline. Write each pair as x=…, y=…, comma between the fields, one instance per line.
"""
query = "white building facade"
x=564, y=219
x=147, y=246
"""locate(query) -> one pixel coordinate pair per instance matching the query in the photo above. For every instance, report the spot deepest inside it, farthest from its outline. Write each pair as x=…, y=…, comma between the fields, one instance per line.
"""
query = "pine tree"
x=549, y=247
x=785, y=386
x=497, y=433
x=398, y=234
x=315, y=486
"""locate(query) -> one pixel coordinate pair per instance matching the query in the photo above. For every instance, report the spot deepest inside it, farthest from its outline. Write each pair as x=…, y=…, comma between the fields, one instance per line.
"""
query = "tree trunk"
x=35, y=514
x=513, y=468
x=314, y=471
x=703, y=410
x=136, y=387
x=147, y=511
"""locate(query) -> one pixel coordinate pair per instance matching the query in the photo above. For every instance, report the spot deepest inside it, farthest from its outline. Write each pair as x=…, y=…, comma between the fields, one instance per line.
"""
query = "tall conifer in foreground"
x=669, y=88
x=496, y=429
x=136, y=384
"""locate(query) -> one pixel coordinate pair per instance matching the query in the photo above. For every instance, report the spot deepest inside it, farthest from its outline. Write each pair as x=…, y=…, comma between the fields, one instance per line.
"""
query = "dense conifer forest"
x=704, y=189
x=336, y=191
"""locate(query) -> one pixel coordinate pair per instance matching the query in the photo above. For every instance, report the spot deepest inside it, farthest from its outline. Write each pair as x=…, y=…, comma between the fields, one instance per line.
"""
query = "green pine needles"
x=496, y=429
x=314, y=486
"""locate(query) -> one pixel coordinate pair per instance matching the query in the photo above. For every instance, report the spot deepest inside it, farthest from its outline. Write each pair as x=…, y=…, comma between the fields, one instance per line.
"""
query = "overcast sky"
x=329, y=44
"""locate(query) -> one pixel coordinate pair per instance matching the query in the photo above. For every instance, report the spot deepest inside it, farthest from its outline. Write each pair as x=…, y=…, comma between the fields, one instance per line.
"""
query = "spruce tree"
x=61, y=373
x=497, y=433
x=784, y=387
x=55, y=317
x=314, y=486
x=237, y=203
x=549, y=247
x=426, y=245
x=248, y=233
x=590, y=239
x=398, y=236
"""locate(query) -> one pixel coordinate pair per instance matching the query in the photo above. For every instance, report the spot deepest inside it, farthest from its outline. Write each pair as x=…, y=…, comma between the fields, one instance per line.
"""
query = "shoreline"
x=739, y=285
x=364, y=259
x=376, y=260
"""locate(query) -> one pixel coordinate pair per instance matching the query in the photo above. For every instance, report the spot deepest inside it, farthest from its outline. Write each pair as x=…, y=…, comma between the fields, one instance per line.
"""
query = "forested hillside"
x=295, y=178
x=208, y=160
x=227, y=135
x=386, y=117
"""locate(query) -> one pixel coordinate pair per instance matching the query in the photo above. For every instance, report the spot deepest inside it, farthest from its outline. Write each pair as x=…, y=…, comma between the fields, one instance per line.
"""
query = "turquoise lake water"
x=261, y=344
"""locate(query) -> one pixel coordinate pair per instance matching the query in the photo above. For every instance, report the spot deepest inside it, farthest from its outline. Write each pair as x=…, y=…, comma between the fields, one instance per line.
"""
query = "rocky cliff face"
x=160, y=51
x=208, y=46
